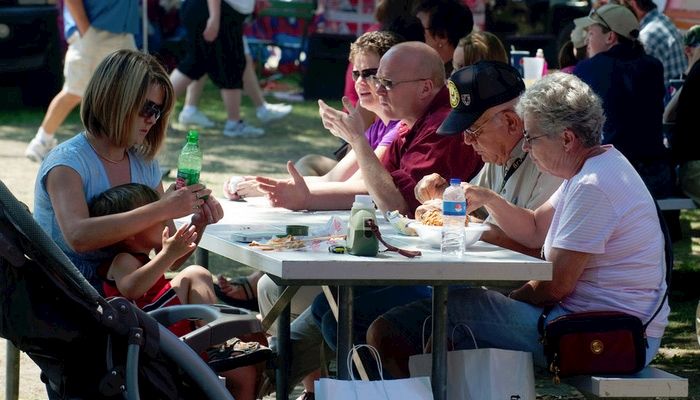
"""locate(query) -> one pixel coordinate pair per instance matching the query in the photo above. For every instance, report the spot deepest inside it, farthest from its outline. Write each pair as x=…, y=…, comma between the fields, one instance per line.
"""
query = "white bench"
x=648, y=383
x=676, y=203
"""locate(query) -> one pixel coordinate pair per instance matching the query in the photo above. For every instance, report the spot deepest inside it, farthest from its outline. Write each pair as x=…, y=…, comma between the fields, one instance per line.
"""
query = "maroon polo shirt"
x=420, y=151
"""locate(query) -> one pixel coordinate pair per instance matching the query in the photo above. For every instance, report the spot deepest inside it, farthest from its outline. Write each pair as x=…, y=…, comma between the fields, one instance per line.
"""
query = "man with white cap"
x=631, y=85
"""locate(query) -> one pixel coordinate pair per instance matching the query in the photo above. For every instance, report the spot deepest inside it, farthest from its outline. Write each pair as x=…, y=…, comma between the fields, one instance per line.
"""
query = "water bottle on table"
x=189, y=163
x=454, y=215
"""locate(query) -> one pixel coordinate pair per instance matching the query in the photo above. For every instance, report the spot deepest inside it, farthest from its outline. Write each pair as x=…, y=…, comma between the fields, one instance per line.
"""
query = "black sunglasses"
x=388, y=84
x=365, y=73
x=150, y=109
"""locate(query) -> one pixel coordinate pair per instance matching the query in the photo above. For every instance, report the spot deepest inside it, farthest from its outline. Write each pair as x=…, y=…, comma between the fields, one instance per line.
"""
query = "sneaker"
x=241, y=129
x=195, y=118
x=38, y=149
x=271, y=112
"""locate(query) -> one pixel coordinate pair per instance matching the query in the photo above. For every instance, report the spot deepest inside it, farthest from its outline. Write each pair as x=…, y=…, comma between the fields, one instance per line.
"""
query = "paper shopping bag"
x=483, y=374
x=399, y=389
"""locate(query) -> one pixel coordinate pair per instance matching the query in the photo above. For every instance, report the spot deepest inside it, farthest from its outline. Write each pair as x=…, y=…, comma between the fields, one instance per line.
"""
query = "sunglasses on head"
x=365, y=73
x=150, y=109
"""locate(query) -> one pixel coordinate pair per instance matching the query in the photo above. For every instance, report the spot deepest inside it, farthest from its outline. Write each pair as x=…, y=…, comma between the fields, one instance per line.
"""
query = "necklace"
x=109, y=160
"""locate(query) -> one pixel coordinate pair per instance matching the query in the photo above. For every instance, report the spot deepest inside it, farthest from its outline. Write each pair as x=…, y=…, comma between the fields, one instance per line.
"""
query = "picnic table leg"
x=345, y=311
x=11, y=372
x=201, y=257
x=439, y=372
x=284, y=344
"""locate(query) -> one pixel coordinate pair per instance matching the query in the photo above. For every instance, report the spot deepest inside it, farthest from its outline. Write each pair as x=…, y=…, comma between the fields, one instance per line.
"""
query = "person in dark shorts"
x=214, y=46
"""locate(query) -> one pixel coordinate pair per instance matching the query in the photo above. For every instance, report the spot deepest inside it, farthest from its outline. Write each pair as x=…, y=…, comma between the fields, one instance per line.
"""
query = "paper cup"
x=516, y=59
x=532, y=68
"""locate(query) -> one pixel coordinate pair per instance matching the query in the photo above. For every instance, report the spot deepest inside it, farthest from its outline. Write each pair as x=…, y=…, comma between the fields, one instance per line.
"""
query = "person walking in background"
x=214, y=46
x=660, y=37
x=266, y=112
x=93, y=29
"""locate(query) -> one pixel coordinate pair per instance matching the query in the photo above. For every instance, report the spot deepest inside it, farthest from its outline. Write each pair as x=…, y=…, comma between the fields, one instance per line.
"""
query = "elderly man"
x=600, y=230
x=410, y=83
x=483, y=98
x=660, y=37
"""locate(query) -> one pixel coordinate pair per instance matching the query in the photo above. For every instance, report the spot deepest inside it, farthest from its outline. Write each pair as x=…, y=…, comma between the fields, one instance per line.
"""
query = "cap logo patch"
x=454, y=94
x=466, y=99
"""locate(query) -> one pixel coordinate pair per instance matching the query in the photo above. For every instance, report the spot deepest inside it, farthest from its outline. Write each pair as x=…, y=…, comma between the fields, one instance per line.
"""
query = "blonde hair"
x=117, y=91
x=482, y=46
x=377, y=42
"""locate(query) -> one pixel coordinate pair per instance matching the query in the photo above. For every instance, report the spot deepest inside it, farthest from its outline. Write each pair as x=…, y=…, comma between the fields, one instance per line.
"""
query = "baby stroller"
x=91, y=348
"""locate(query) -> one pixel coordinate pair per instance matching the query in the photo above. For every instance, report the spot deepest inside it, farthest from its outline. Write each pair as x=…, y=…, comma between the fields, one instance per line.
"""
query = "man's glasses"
x=529, y=139
x=388, y=84
x=365, y=74
x=150, y=109
x=595, y=13
x=474, y=134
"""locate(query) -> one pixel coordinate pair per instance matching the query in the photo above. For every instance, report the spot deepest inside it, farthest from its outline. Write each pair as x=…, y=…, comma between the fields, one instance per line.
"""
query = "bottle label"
x=454, y=208
x=186, y=177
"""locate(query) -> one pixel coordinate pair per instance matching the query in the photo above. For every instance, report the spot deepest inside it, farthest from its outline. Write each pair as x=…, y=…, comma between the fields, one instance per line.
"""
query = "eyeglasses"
x=474, y=134
x=529, y=139
x=595, y=13
x=388, y=84
x=150, y=109
x=365, y=73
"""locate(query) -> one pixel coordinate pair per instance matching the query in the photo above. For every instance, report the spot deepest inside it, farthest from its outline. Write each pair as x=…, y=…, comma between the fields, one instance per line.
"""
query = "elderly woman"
x=600, y=230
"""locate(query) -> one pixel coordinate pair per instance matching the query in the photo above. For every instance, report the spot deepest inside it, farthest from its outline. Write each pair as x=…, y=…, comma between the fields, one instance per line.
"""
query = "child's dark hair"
x=122, y=198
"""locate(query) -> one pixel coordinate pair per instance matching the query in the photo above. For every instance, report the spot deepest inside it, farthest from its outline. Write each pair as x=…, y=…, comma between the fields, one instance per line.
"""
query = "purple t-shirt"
x=379, y=134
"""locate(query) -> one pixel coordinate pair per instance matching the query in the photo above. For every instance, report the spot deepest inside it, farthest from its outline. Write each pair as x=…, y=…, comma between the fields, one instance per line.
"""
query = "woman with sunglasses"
x=125, y=112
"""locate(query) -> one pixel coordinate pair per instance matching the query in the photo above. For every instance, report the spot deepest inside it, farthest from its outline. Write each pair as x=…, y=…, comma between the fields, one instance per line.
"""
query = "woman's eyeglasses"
x=150, y=109
x=529, y=139
x=388, y=84
x=365, y=73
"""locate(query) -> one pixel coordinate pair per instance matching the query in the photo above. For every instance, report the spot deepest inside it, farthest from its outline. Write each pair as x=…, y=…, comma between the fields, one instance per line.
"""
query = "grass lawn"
x=302, y=133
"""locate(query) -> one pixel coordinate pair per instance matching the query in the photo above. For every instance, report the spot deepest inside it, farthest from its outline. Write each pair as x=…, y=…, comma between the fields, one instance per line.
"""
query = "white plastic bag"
x=483, y=374
x=398, y=389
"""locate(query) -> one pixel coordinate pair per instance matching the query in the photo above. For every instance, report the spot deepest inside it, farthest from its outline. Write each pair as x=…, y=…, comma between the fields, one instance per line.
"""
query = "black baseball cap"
x=476, y=88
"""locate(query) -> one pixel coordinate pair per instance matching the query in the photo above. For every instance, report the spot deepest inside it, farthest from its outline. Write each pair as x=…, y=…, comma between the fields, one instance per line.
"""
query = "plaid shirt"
x=662, y=40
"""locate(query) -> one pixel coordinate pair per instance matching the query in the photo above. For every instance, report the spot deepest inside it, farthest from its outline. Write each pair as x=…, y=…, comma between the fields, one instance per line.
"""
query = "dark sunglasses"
x=365, y=73
x=388, y=84
x=150, y=109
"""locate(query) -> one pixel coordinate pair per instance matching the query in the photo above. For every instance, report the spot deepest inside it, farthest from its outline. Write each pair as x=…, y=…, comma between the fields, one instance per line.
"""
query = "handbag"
x=482, y=374
x=395, y=389
x=600, y=342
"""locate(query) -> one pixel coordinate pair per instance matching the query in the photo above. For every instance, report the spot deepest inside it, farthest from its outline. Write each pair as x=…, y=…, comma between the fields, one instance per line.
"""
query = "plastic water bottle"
x=540, y=54
x=189, y=163
x=454, y=214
